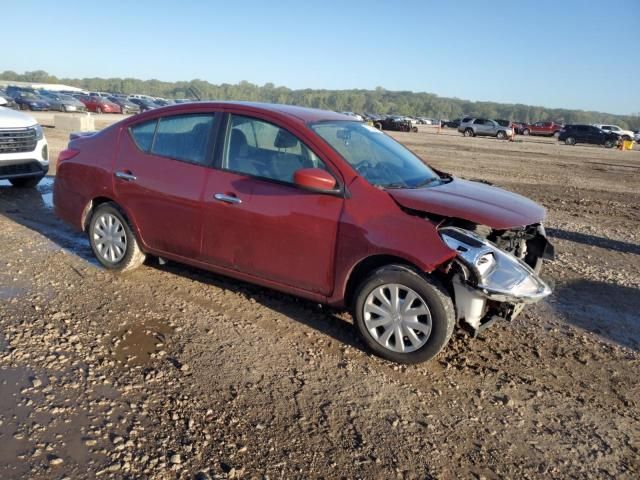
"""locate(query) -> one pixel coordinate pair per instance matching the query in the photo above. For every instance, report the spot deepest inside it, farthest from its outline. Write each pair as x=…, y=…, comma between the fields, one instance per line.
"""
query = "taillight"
x=67, y=154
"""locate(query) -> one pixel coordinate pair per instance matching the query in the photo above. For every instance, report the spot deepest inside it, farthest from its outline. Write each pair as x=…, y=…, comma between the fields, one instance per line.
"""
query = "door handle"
x=126, y=176
x=227, y=198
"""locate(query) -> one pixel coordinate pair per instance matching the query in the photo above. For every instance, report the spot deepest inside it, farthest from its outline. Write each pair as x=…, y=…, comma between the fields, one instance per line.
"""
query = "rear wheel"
x=378, y=125
x=609, y=143
x=112, y=240
x=26, y=182
x=469, y=132
x=556, y=133
x=570, y=141
x=403, y=316
x=414, y=129
x=526, y=131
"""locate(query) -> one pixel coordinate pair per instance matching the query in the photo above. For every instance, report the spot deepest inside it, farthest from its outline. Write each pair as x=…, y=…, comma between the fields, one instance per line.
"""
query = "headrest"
x=238, y=139
x=285, y=140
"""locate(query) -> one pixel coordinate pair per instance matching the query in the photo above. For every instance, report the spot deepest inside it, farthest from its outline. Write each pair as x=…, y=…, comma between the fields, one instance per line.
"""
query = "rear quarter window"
x=142, y=134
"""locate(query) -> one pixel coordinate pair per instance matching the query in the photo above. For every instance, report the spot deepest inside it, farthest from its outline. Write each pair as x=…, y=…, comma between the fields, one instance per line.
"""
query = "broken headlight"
x=497, y=274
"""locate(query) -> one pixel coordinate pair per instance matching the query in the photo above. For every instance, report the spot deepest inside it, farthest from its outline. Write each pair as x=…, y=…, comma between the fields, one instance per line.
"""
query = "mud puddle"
x=45, y=187
x=138, y=343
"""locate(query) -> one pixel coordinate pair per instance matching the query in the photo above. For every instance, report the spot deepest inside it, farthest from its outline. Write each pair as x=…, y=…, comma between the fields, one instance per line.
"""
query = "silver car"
x=471, y=127
x=63, y=103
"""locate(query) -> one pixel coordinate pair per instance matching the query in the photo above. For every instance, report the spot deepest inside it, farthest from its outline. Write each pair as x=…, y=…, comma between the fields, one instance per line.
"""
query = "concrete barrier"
x=74, y=122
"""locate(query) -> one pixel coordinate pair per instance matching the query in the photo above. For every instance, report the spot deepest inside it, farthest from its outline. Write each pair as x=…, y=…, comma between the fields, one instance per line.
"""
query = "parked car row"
x=606, y=135
x=24, y=98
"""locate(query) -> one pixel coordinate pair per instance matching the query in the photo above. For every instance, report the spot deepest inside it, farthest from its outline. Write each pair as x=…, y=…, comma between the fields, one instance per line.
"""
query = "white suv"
x=24, y=154
x=624, y=134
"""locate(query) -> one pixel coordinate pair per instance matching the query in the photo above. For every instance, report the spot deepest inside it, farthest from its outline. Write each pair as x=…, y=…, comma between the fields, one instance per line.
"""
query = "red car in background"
x=99, y=104
x=549, y=129
x=312, y=203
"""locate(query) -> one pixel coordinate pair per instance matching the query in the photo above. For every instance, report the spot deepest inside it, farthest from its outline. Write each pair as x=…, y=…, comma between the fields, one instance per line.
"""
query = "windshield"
x=382, y=161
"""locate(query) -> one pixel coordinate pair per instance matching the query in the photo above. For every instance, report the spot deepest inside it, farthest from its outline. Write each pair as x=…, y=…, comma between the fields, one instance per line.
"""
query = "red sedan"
x=99, y=104
x=312, y=203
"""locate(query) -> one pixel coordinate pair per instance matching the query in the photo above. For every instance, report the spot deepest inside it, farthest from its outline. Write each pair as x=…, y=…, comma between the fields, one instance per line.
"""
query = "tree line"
x=380, y=100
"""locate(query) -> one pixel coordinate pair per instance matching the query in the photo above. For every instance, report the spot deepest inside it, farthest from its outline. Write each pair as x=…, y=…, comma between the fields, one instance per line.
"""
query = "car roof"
x=303, y=114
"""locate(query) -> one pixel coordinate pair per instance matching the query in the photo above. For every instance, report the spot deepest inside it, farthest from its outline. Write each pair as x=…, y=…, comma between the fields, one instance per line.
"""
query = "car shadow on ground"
x=592, y=240
x=32, y=208
x=608, y=310
x=325, y=320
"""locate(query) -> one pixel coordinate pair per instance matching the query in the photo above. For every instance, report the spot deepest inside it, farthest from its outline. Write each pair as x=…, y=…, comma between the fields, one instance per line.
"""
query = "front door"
x=159, y=177
x=257, y=221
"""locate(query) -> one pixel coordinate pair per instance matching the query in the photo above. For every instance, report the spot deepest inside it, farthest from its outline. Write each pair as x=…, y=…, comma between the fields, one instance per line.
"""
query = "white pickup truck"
x=24, y=153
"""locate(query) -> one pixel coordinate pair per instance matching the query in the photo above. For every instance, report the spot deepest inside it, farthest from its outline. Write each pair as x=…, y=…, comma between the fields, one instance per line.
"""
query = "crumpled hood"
x=472, y=201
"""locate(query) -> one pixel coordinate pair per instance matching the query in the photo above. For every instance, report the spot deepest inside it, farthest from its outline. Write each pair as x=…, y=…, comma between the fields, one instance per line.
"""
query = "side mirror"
x=314, y=179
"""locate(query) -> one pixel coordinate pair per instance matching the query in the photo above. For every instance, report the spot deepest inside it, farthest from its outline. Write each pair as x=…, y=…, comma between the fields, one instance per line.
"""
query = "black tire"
x=414, y=129
x=556, y=133
x=133, y=256
x=570, y=141
x=26, y=182
x=609, y=143
x=501, y=135
x=378, y=125
x=526, y=131
x=430, y=291
x=469, y=133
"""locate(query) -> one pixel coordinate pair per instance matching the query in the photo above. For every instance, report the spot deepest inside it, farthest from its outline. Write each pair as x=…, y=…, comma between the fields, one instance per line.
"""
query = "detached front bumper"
x=488, y=276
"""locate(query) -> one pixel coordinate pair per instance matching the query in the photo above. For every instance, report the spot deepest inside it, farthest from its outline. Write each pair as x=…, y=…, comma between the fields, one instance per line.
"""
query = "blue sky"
x=573, y=54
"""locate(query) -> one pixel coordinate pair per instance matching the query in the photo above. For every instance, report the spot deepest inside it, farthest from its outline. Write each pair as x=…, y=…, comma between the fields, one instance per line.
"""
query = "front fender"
x=379, y=227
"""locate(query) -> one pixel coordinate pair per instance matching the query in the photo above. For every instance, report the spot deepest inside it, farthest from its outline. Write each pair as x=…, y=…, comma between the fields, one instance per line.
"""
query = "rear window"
x=142, y=134
x=183, y=137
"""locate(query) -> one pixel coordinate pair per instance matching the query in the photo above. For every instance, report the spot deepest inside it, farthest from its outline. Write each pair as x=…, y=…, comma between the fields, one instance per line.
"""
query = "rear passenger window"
x=142, y=134
x=183, y=137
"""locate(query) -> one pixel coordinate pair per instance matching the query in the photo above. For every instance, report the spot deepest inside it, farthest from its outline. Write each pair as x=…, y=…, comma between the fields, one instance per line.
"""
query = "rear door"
x=159, y=177
x=257, y=221
x=480, y=126
x=594, y=134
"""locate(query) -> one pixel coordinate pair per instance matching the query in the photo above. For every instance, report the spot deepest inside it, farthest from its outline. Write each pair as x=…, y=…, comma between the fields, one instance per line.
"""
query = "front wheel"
x=501, y=135
x=402, y=315
x=112, y=240
x=468, y=133
x=609, y=144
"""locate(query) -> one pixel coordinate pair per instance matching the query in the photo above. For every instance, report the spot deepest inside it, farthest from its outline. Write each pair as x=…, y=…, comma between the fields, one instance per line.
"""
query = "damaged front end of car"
x=494, y=276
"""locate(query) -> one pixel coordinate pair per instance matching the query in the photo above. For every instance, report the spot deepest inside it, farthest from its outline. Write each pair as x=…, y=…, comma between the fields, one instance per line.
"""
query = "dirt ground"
x=172, y=372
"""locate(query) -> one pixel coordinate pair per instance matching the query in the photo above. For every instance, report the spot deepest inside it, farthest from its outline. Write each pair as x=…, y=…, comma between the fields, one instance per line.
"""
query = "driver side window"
x=261, y=149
